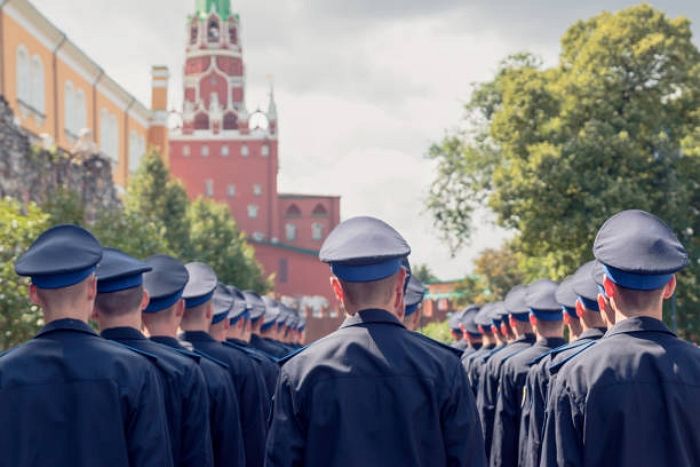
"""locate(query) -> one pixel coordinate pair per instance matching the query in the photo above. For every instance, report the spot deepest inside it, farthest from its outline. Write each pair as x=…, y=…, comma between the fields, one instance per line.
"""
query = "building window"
x=137, y=148
x=231, y=190
x=194, y=32
x=293, y=211
x=30, y=84
x=109, y=135
x=319, y=211
x=244, y=150
x=257, y=190
x=213, y=30
x=265, y=150
x=224, y=150
x=252, y=211
x=316, y=231
x=258, y=236
x=283, y=270
x=74, y=111
x=209, y=187
x=204, y=151
x=186, y=150
x=317, y=312
x=333, y=313
x=291, y=232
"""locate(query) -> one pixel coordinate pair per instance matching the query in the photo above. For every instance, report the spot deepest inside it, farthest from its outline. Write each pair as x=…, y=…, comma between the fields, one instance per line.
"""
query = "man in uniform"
x=239, y=336
x=120, y=299
x=250, y=390
x=476, y=368
x=165, y=283
x=546, y=319
x=483, y=321
x=456, y=332
x=372, y=393
x=68, y=396
x=578, y=292
x=567, y=298
x=632, y=398
x=487, y=392
x=470, y=330
x=414, y=302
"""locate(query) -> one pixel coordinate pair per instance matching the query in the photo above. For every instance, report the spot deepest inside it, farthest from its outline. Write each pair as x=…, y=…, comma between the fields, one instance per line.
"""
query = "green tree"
x=496, y=271
x=19, y=319
x=216, y=240
x=555, y=151
x=423, y=273
x=440, y=331
x=155, y=198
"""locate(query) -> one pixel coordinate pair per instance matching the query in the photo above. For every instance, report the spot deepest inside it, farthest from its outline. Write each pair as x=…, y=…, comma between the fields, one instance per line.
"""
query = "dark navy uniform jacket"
x=374, y=394
x=249, y=388
x=487, y=391
x=506, y=421
x=269, y=346
x=224, y=412
x=185, y=396
x=470, y=359
x=476, y=368
x=268, y=364
x=460, y=345
x=631, y=399
x=68, y=397
x=470, y=349
x=536, y=393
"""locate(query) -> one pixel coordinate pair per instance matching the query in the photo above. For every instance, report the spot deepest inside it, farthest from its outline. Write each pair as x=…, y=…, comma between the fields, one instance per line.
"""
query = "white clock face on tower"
x=258, y=120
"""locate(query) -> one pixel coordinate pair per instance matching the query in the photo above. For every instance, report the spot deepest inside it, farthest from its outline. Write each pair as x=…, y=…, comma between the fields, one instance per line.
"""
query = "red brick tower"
x=217, y=152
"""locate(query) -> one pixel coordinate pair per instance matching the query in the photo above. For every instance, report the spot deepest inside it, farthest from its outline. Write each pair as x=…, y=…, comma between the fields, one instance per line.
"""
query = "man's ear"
x=227, y=323
x=398, y=292
x=34, y=295
x=92, y=288
x=567, y=318
x=145, y=300
x=579, y=309
x=337, y=288
x=180, y=308
x=602, y=303
x=670, y=288
x=210, y=310
x=533, y=320
x=609, y=287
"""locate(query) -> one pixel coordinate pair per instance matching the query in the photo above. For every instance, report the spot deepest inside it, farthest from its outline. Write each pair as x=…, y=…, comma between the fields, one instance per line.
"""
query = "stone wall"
x=31, y=173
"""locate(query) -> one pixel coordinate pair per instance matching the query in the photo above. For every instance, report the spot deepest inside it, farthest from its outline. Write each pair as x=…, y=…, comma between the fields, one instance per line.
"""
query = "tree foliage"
x=553, y=152
x=423, y=273
x=438, y=330
x=496, y=271
x=19, y=319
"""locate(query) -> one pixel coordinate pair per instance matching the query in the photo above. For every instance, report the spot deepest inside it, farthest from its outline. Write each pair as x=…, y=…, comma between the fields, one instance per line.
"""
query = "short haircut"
x=550, y=326
x=361, y=293
x=64, y=296
x=629, y=300
x=120, y=302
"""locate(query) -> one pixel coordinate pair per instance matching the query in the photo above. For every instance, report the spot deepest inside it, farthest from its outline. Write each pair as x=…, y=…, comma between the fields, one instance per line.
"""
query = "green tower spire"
x=220, y=7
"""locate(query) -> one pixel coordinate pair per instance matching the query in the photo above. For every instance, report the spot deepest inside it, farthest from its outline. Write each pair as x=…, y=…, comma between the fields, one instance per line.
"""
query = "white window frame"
x=290, y=232
x=224, y=151
x=204, y=150
x=316, y=231
x=231, y=190
x=37, y=97
x=257, y=189
x=253, y=211
x=245, y=151
x=137, y=149
x=109, y=135
x=265, y=150
x=186, y=150
x=209, y=188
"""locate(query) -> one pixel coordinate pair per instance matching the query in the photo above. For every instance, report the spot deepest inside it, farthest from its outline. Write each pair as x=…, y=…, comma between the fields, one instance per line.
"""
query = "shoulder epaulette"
x=457, y=352
x=143, y=353
x=211, y=359
x=553, y=369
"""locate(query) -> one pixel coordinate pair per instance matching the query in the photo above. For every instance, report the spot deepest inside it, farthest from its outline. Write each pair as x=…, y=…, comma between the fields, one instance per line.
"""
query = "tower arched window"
x=319, y=211
x=213, y=32
x=230, y=121
x=194, y=32
x=316, y=231
x=290, y=232
x=201, y=121
x=293, y=211
x=232, y=35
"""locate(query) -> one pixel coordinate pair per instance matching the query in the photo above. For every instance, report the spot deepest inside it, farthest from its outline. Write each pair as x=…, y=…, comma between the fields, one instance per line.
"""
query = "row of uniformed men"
x=620, y=392
x=200, y=398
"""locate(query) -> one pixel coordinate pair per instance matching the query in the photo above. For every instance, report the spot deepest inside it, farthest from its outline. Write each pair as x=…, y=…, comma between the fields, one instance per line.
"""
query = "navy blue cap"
x=414, y=295
x=302, y=324
x=255, y=304
x=453, y=322
x=585, y=287
x=598, y=273
x=541, y=298
x=240, y=305
x=272, y=312
x=638, y=250
x=164, y=282
x=364, y=249
x=516, y=303
x=222, y=302
x=119, y=271
x=498, y=313
x=200, y=287
x=483, y=317
x=60, y=257
x=467, y=319
x=566, y=296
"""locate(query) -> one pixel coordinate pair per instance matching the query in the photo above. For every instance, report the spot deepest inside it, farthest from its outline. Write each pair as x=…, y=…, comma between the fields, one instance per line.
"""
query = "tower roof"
x=220, y=7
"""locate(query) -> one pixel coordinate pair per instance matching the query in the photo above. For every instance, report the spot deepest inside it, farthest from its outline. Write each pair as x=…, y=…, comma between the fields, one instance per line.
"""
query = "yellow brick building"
x=59, y=94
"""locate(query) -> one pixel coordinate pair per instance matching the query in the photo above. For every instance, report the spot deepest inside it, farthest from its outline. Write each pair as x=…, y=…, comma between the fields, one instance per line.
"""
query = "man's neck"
x=131, y=319
x=55, y=315
x=195, y=326
x=162, y=329
x=620, y=316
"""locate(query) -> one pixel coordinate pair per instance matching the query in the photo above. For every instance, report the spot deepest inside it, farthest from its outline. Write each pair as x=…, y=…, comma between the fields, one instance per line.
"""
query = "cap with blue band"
x=118, y=271
x=542, y=301
x=566, y=296
x=585, y=288
x=516, y=303
x=165, y=282
x=60, y=257
x=638, y=250
x=415, y=291
x=201, y=285
x=222, y=302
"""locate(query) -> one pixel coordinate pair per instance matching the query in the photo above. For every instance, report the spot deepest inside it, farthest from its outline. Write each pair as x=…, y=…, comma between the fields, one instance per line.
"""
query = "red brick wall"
x=327, y=218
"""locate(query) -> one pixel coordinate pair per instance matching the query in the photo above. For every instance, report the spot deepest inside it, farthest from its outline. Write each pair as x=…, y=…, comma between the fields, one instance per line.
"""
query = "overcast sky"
x=362, y=86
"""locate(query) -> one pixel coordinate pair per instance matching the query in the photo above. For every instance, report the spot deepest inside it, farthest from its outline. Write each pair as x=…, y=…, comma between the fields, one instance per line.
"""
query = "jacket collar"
x=66, y=324
x=551, y=342
x=123, y=333
x=167, y=340
x=197, y=336
x=639, y=324
x=528, y=338
x=595, y=333
x=237, y=342
x=371, y=316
